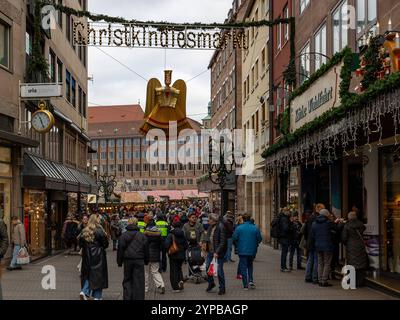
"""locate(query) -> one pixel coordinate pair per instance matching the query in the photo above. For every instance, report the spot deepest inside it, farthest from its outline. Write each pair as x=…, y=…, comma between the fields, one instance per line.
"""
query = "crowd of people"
x=150, y=239
x=319, y=239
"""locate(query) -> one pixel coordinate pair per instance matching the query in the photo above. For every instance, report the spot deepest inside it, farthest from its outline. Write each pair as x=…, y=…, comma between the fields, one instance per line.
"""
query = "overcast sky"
x=115, y=84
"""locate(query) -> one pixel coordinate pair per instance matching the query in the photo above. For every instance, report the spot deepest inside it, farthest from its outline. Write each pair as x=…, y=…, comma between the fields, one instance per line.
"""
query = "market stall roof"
x=142, y=196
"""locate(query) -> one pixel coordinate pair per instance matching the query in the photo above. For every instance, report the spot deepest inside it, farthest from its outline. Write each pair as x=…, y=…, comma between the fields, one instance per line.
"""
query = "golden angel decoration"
x=165, y=104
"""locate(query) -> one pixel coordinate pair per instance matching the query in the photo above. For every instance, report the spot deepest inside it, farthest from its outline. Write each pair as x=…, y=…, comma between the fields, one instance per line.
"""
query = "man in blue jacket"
x=246, y=238
x=322, y=233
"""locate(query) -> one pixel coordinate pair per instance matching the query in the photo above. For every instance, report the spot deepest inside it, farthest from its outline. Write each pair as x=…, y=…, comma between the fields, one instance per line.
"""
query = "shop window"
x=34, y=221
x=390, y=212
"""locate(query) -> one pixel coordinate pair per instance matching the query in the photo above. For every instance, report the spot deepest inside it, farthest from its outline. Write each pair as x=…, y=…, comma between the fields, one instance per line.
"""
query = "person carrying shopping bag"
x=216, y=246
x=18, y=241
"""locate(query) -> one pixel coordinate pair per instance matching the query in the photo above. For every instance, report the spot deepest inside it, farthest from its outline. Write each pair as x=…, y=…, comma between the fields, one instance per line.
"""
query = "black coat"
x=94, y=260
x=115, y=230
x=355, y=248
x=285, y=229
x=307, y=231
x=220, y=239
x=132, y=245
x=155, y=243
x=181, y=242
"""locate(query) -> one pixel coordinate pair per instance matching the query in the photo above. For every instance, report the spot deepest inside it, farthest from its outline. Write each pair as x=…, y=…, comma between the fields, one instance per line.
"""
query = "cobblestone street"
x=271, y=284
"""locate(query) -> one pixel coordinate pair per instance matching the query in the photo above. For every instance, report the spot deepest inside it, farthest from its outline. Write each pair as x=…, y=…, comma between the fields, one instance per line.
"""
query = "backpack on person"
x=275, y=227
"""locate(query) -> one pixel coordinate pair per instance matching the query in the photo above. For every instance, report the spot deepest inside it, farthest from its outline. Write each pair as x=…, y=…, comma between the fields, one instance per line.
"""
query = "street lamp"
x=105, y=184
x=218, y=172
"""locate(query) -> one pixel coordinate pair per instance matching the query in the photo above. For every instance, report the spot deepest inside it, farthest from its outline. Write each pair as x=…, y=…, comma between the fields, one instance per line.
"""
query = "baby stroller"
x=196, y=265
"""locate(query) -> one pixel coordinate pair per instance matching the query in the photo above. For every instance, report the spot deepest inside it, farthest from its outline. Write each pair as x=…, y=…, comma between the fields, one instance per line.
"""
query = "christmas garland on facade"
x=373, y=63
x=162, y=24
x=289, y=75
x=352, y=102
x=37, y=68
x=346, y=55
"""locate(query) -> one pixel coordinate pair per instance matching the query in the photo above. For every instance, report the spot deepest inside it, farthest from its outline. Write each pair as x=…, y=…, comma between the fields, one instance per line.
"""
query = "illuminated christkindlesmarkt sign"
x=129, y=35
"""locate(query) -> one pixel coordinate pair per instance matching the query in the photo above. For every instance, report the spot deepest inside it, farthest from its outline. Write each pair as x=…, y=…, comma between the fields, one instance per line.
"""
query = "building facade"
x=346, y=161
x=121, y=150
x=255, y=117
x=45, y=174
x=226, y=106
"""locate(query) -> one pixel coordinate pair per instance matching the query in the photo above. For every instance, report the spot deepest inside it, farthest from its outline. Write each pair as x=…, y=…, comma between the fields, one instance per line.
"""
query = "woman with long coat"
x=94, y=273
x=356, y=255
x=176, y=260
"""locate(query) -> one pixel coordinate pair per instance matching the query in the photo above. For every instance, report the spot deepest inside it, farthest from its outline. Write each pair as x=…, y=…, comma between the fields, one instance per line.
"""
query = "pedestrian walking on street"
x=82, y=225
x=229, y=223
x=3, y=246
x=115, y=230
x=322, y=233
x=239, y=221
x=155, y=241
x=70, y=233
x=246, y=239
x=285, y=230
x=133, y=254
x=18, y=240
x=141, y=224
x=177, y=255
x=163, y=226
x=216, y=245
x=294, y=242
x=337, y=239
x=312, y=257
x=94, y=271
x=356, y=255
x=194, y=234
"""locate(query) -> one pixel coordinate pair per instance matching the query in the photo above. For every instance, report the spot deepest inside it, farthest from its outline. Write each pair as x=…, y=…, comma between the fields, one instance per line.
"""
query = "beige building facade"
x=44, y=175
x=255, y=113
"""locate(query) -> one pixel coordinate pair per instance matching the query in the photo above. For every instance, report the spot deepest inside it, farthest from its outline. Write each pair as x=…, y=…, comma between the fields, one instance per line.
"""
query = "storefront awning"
x=92, y=183
x=13, y=139
x=71, y=183
x=41, y=174
x=84, y=185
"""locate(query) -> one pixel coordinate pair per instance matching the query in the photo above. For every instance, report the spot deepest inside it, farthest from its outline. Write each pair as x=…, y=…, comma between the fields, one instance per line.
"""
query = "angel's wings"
x=151, y=95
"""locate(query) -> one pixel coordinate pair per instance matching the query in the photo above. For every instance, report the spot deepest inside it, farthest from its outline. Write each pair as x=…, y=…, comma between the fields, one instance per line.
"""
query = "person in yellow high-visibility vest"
x=163, y=226
x=141, y=224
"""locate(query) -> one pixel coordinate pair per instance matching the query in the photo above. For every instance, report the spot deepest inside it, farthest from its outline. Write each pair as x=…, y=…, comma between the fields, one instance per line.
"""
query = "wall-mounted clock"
x=42, y=120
